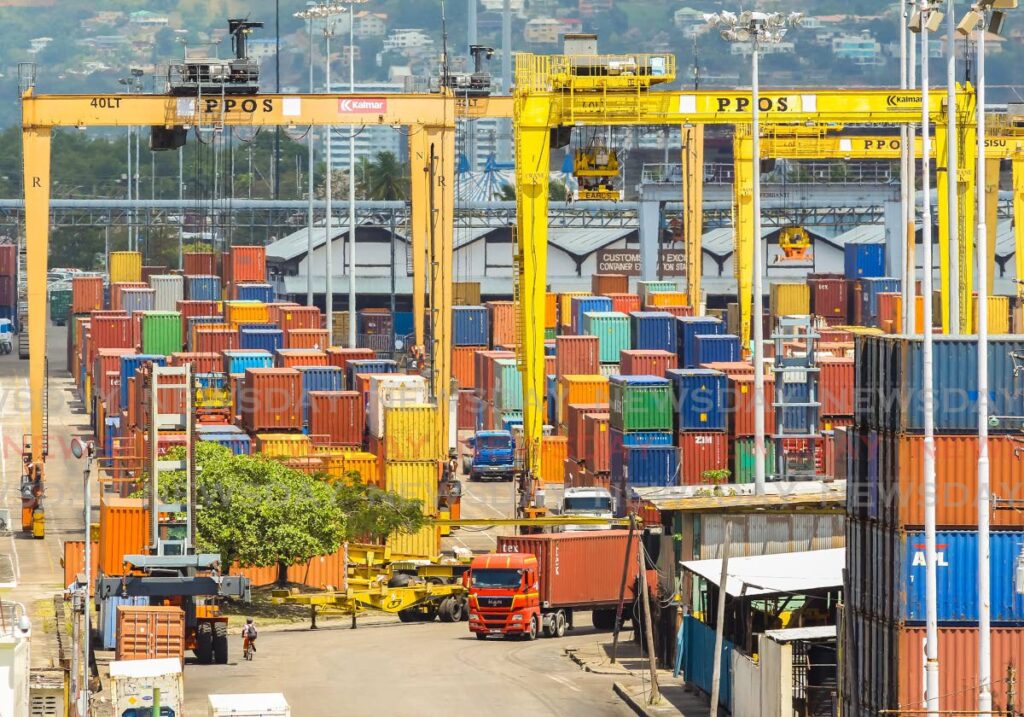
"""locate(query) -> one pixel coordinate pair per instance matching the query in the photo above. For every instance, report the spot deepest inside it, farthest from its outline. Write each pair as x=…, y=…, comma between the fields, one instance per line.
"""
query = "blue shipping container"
x=238, y=361
x=617, y=440
x=201, y=428
x=402, y=323
x=255, y=292
x=113, y=430
x=715, y=348
x=583, y=304
x=862, y=261
x=129, y=363
x=318, y=378
x=870, y=289
x=957, y=574
x=644, y=466
x=201, y=287
x=653, y=330
x=687, y=330
x=470, y=326
x=238, y=443
x=700, y=395
x=269, y=340
x=367, y=366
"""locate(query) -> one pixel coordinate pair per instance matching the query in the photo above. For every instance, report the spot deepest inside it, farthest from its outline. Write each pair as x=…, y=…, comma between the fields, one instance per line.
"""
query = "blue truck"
x=493, y=457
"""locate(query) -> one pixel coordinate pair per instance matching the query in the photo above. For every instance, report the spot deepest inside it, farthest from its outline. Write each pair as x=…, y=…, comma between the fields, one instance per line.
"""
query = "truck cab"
x=504, y=596
x=494, y=455
x=590, y=503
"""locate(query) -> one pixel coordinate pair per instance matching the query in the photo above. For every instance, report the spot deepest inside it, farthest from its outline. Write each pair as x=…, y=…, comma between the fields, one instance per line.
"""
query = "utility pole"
x=622, y=587
x=723, y=584
x=652, y=658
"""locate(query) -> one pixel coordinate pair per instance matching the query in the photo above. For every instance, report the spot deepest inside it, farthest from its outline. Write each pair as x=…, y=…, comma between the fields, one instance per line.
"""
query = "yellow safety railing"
x=544, y=73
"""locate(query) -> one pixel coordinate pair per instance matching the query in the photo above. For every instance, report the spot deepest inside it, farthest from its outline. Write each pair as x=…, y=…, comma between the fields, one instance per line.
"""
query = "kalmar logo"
x=362, y=104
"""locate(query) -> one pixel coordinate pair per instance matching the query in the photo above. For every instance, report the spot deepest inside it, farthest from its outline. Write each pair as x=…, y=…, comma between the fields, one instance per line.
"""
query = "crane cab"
x=596, y=169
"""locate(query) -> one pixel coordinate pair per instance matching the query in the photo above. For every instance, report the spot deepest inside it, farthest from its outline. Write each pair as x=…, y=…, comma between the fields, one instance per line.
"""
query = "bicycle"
x=247, y=649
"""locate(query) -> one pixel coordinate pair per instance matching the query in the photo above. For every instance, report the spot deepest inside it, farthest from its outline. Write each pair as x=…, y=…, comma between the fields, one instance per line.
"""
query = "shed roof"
x=774, y=574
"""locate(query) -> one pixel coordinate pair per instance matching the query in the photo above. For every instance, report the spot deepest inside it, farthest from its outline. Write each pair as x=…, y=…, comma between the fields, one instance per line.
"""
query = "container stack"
x=882, y=455
x=641, y=446
x=700, y=423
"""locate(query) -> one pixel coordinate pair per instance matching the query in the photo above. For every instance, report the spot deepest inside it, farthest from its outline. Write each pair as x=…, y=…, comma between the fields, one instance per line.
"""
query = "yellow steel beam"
x=693, y=207
x=36, y=150
x=548, y=521
x=1018, y=224
x=744, y=240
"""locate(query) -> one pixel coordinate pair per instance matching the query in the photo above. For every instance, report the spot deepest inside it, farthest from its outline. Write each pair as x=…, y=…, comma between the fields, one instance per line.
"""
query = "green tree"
x=385, y=178
x=372, y=514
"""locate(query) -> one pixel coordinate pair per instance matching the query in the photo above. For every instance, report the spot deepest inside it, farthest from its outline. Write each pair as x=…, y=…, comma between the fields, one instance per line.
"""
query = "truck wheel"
x=532, y=633
x=220, y=643
x=464, y=608
x=549, y=627
x=559, y=624
x=458, y=610
x=473, y=477
x=411, y=615
x=444, y=610
x=480, y=635
x=603, y=619
x=204, y=643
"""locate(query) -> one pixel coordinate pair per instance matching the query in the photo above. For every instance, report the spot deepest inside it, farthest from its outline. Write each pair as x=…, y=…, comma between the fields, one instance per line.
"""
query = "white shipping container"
x=266, y=704
x=393, y=390
x=169, y=288
x=132, y=683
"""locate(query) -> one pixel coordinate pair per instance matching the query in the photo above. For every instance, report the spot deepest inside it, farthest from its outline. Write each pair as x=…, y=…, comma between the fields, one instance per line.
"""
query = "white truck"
x=588, y=502
x=136, y=685
x=257, y=704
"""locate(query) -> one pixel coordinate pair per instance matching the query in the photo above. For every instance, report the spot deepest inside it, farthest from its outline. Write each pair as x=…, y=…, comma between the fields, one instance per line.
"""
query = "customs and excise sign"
x=627, y=261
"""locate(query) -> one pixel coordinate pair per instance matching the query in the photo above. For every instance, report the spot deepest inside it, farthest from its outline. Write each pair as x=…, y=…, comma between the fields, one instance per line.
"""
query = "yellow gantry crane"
x=562, y=91
x=430, y=118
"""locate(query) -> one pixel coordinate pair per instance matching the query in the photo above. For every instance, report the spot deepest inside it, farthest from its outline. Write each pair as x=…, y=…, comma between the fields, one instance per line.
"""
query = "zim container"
x=700, y=398
x=470, y=326
x=702, y=455
x=612, y=330
x=640, y=403
x=272, y=399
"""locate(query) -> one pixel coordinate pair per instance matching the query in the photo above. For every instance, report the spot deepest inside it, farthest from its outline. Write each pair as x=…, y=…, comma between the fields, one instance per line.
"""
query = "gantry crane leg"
x=419, y=228
x=966, y=171
x=693, y=208
x=744, y=240
x=1018, y=222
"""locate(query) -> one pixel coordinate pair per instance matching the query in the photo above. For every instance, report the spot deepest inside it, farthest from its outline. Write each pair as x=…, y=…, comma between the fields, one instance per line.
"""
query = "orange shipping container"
x=124, y=530
x=290, y=358
x=552, y=458
x=668, y=298
x=464, y=365
x=577, y=355
x=550, y=311
x=245, y=263
x=271, y=399
x=307, y=339
x=340, y=356
x=199, y=263
x=337, y=417
x=575, y=388
x=740, y=396
x=675, y=310
x=624, y=302
x=835, y=390
x=503, y=322
x=890, y=311
x=73, y=561
x=289, y=317
x=597, y=443
x=322, y=572
x=607, y=284
x=150, y=632
x=86, y=294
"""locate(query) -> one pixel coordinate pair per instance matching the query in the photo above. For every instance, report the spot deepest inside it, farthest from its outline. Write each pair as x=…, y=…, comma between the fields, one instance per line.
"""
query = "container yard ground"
x=385, y=670
x=37, y=562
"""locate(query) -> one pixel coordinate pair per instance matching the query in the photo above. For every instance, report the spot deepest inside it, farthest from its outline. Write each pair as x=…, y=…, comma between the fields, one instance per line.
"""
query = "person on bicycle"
x=249, y=635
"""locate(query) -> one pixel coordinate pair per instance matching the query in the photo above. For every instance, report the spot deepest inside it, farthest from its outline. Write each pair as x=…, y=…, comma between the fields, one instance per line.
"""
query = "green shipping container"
x=612, y=330
x=636, y=405
x=645, y=288
x=60, y=306
x=550, y=334
x=161, y=332
x=743, y=459
x=508, y=386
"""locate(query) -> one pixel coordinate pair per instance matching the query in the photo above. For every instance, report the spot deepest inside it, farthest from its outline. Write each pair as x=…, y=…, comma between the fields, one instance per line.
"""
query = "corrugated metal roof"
x=720, y=241
x=296, y=244
x=775, y=574
x=862, y=234
x=585, y=241
x=819, y=632
x=777, y=494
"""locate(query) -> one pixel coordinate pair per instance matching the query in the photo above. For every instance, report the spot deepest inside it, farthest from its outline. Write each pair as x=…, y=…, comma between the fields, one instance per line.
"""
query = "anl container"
x=581, y=305
x=470, y=326
x=687, y=330
x=612, y=330
x=700, y=396
x=862, y=261
x=653, y=330
x=640, y=403
x=161, y=332
x=716, y=348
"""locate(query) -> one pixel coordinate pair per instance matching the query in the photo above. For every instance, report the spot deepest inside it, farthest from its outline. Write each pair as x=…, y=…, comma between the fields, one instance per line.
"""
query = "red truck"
x=533, y=583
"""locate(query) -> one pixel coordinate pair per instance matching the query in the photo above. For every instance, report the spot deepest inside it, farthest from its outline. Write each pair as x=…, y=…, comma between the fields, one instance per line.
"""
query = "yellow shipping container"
x=466, y=293
x=550, y=311
x=409, y=432
x=578, y=388
x=790, y=299
x=862, y=330
x=565, y=306
x=553, y=452
x=88, y=394
x=669, y=298
x=124, y=266
x=283, y=445
x=424, y=544
x=416, y=480
x=340, y=329
x=363, y=463
x=246, y=312
x=998, y=315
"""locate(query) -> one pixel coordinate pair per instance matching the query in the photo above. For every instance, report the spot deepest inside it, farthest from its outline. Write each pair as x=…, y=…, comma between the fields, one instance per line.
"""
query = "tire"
x=220, y=643
x=458, y=610
x=559, y=624
x=549, y=628
x=400, y=580
x=603, y=619
x=480, y=635
x=408, y=616
x=444, y=610
x=204, y=643
x=473, y=477
x=464, y=607
x=531, y=635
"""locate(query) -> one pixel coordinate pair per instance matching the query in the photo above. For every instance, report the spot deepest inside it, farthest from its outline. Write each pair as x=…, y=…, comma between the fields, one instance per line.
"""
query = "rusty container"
x=646, y=362
x=574, y=429
x=605, y=284
x=596, y=446
x=307, y=339
x=337, y=417
x=701, y=452
x=150, y=632
x=199, y=262
x=271, y=399
x=86, y=294
x=502, y=318
x=577, y=355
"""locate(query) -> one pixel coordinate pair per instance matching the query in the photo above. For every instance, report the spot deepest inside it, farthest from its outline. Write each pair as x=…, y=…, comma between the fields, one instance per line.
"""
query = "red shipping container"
x=296, y=317
x=740, y=396
x=271, y=399
x=597, y=447
x=107, y=383
x=574, y=426
x=337, y=417
x=149, y=271
x=550, y=363
x=8, y=260
x=86, y=294
x=829, y=295
x=340, y=356
x=700, y=453
x=113, y=398
x=190, y=308
x=624, y=302
x=578, y=568
x=674, y=310
x=828, y=454
x=307, y=339
x=502, y=315
x=835, y=386
x=485, y=371
x=577, y=355
x=646, y=362
x=731, y=368
x=464, y=365
x=8, y=290
x=605, y=284
x=890, y=312
x=215, y=341
x=858, y=291
x=290, y=358
x=469, y=409
x=108, y=360
x=245, y=263
x=108, y=332
x=831, y=335
x=199, y=263
x=200, y=362
x=115, y=292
